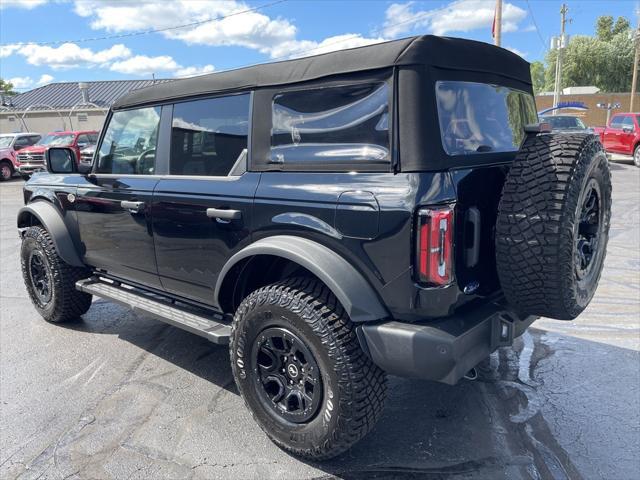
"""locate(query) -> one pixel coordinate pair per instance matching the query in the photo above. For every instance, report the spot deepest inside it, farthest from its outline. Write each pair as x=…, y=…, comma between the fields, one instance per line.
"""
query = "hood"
x=33, y=149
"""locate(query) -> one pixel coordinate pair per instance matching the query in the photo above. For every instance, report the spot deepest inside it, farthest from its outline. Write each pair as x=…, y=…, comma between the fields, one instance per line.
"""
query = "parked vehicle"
x=10, y=144
x=565, y=123
x=31, y=159
x=387, y=209
x=622, y=135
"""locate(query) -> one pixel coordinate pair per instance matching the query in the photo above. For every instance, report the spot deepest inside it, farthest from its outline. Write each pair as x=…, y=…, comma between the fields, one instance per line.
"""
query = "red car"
x=31, y=159
x=622, y=135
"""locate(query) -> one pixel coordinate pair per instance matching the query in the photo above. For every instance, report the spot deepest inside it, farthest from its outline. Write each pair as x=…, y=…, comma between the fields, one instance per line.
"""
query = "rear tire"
x=50, y=282
x=553, y=225
x=636, y=156
x=6, y=170
x=280, y=330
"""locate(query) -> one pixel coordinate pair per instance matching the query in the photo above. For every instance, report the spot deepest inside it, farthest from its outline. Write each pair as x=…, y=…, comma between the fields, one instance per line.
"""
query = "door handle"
x=224, y=214
x=132, y=207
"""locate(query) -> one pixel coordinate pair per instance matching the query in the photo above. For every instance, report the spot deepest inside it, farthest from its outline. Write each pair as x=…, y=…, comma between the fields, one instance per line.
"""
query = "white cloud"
x=143, y=65
x=300, y=48
x=517, y=52
x=44, y=79
x=70, y=55
x=458, y=16
x=21, y=82
x=28, y=4
x=6, y=50
x=276, y=37
x=193, y=71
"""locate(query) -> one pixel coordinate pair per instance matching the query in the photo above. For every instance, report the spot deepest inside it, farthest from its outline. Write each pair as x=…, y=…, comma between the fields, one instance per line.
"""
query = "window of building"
x=82, y=117
x=209, y=136
x=332, y=126
x=129, y=144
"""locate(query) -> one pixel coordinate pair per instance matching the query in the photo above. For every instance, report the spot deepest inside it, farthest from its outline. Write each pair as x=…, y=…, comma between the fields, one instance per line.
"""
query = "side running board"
x=210, y=327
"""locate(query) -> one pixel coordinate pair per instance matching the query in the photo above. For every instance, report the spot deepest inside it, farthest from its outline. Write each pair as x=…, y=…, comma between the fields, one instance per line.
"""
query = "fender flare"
x=50, y=218
x=354, y=292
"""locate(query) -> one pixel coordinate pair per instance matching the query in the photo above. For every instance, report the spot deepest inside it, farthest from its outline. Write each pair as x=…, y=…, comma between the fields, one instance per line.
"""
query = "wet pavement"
x=119, y=396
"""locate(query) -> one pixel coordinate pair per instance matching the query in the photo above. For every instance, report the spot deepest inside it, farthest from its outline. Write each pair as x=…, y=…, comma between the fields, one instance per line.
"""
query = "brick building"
x=594, y=116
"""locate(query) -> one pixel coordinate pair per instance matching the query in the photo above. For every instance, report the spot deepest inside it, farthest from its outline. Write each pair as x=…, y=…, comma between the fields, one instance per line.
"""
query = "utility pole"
x=561, y=46
x=634, y=80
x=497, y=23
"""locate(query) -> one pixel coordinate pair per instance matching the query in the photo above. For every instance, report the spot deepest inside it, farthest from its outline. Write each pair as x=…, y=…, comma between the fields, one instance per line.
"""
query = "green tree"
x=6, y=87
x=537, y=76
x=605, y=60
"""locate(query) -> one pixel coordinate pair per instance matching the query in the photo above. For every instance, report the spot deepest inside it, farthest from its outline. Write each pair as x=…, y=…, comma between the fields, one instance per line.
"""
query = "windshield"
x=5, y=141
x=480, y=118
x=559, y=122
x=56, y=140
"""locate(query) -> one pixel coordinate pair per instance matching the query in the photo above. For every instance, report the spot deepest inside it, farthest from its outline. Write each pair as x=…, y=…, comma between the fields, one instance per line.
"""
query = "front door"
x=114, y=204
x=202, y=210
x=611, y=137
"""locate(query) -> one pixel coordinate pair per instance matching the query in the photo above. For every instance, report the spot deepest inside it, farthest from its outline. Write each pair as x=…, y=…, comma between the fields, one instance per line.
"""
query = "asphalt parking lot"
x=119, y=396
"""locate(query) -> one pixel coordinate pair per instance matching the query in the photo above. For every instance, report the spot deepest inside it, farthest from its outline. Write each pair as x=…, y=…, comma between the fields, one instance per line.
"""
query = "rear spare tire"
x=553, y=225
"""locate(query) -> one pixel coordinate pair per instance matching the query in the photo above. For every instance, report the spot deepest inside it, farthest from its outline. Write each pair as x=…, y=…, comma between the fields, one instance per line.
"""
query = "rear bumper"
x=443, y=350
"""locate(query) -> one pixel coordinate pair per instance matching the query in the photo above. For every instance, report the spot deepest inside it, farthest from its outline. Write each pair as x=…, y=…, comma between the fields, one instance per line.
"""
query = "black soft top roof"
x=443, y=52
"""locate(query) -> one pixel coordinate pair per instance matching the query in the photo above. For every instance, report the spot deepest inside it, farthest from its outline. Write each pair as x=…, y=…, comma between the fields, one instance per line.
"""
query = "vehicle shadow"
x=428, y=430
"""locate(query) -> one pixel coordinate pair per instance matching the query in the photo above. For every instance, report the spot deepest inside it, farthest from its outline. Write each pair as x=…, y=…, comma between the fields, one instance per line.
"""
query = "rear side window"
x=129, y=144
x=342, y=127
x=209, y=136
x=479, y=118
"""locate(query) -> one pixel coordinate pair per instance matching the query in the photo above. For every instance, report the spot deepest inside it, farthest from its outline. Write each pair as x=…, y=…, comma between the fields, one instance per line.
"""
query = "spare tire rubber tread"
x=535, y=225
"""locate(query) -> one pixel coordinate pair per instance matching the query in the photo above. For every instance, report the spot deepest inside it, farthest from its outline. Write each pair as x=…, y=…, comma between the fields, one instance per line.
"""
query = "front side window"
x=616, y=122
x=5, y=141
x=209, y=136
x=479, y=118
x=332, y=126
x=627, y=122
x=129, y=144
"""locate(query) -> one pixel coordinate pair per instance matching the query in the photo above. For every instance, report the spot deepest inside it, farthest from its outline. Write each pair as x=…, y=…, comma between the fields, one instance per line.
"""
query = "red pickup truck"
x=622, y=135
x=31, y=159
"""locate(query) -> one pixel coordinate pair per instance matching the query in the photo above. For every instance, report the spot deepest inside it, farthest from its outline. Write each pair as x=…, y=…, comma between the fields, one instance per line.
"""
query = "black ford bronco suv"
x=387, y=209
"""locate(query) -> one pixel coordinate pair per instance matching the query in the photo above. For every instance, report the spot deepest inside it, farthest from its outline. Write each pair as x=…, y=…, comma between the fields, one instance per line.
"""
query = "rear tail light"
x=434, y=252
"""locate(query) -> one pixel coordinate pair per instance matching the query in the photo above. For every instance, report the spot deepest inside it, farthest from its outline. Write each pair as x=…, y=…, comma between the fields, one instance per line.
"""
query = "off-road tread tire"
x=535, y=224
x=67, y=303
x=362, y=384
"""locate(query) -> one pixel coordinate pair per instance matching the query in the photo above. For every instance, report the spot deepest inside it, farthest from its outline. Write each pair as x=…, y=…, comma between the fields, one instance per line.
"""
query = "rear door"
x=202, y=211
x=114, y=205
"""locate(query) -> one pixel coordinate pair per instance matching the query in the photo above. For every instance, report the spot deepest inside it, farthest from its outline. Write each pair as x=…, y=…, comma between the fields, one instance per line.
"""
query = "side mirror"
x=18, y=147
x=627, y=129
x=60, y=160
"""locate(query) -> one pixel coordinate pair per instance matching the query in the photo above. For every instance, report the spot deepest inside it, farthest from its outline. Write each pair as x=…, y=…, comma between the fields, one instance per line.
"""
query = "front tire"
x=6, y=170
x=636, y=156
x=50, y=282
x=300, y=369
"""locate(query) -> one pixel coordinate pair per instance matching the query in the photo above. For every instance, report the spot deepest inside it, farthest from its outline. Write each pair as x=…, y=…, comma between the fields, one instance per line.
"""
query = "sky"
x=44, y=41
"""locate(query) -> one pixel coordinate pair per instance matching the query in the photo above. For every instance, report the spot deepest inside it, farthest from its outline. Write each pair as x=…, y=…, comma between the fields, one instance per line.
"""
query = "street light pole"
x=634, y=80
x=561, y=45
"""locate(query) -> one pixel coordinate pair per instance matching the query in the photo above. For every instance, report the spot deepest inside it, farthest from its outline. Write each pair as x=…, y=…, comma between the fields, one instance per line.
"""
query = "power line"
x=146, y=32
x=535, y=24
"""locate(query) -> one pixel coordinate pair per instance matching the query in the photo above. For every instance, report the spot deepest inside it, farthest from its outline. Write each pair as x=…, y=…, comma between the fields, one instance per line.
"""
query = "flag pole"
x=497, y=24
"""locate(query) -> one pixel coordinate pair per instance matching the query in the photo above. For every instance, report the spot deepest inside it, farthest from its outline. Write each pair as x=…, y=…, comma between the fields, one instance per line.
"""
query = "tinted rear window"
x=479, y=118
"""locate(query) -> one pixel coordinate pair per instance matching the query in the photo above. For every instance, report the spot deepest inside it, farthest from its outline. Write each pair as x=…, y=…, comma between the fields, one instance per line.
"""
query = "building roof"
x=429, y=50
x=64, y=95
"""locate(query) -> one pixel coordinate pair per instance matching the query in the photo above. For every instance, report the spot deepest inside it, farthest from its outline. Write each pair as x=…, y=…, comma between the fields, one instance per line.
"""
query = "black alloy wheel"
x=291, y=385
x=40, y=277
x=589, y=230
